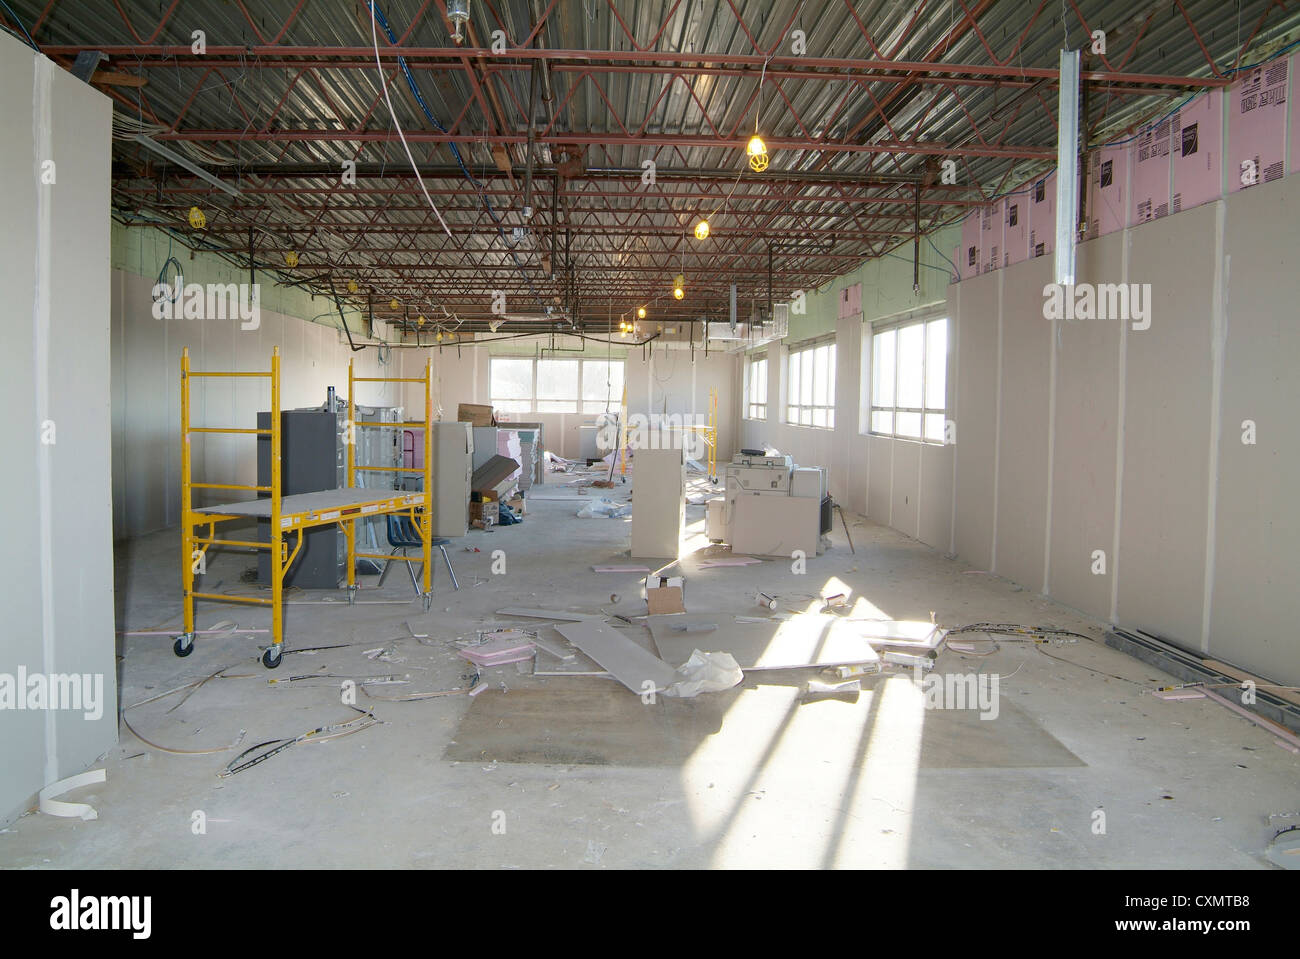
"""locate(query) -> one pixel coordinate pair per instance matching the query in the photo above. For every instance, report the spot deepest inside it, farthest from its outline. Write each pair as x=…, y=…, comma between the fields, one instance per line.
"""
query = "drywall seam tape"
x=53, y=807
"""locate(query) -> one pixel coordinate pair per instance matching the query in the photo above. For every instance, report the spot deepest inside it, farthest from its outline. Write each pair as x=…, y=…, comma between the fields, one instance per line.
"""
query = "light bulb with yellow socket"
x=702, y=229
x=198, y=219
x=640, y=313
x=757, y=151
x=291, y=259
x=679, y=287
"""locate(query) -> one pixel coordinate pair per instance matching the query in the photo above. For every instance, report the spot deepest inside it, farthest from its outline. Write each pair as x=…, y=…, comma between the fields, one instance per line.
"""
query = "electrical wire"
x=20, y=26
x=374, y=38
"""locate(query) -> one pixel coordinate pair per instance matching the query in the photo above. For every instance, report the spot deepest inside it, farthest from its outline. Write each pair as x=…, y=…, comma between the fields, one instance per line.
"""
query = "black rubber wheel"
x=180, y=649
x=270, y=659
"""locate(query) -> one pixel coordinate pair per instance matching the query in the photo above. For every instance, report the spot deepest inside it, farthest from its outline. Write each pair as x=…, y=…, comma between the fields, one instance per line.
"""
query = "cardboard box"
x=484, y=513
x=476, y=414
x=665, y=594
x=498, y=475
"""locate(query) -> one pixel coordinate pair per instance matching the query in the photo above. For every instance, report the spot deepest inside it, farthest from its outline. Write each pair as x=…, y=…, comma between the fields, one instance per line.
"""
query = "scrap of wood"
x=733, y=561
x=626, y=661
x=1290, y=695
x=1176, y=694
x=1268, y=725
x=115, y=78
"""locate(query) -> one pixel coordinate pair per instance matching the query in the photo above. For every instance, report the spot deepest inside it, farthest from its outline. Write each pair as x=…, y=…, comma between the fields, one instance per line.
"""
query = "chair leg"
x=388, y=564
x=410, y=568
x=451, y=571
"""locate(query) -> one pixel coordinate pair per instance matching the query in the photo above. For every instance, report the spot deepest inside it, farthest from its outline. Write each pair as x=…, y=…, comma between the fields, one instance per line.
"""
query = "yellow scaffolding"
x=708, y=434
x=296, y=513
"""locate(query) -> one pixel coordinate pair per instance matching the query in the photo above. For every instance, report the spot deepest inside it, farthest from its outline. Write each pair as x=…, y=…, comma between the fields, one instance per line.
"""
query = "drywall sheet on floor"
x=1022, y=440
x=1015, y=229
x=1108, y=178
x=809, y=639
x=1196, y=139
x=554, y=726
x=990, y=238
x=977, y=319
x=626, y=661
x=1150, y=167
x=1255, y=603
x=1042, y=216
x=1161, y=562
x=1083, y=474
x=1257, y=125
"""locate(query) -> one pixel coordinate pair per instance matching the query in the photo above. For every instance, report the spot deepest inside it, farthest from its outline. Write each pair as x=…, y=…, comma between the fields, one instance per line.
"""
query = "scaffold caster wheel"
x=428, y=601
x=271, y=658
x=352, y=595
x=183, y=646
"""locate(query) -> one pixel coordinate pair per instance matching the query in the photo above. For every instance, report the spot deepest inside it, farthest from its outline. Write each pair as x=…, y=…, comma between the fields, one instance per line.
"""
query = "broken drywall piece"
x=554, y=649
x=627, y=662
x=53, y=807
x=620, y=569
x=560, y=614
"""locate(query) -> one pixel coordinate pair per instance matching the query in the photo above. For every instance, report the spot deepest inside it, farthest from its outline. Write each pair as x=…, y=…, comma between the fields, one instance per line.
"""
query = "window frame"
x=924, y=410
x=579, y=401
x=794, y=404
x=750, y=402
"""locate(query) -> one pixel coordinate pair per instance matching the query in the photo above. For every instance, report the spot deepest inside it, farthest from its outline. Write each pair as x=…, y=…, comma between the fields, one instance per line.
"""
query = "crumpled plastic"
x=604, y=508
x=706, y=673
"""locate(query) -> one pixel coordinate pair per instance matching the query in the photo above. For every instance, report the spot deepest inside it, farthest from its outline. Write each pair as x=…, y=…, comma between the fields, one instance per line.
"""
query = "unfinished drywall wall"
x=1161, y=562
x=1164, y=514
x=58, y=567
x=1257, y=523
x=1085, y=448
x=146, y=354
x=977, y=308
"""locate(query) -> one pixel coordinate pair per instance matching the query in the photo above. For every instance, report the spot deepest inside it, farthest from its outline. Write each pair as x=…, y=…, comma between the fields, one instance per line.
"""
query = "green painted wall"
x=144, y=249
x=886, y=286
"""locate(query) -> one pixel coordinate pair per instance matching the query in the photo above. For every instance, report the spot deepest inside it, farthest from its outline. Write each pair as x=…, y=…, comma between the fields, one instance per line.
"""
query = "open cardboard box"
x=665, y=594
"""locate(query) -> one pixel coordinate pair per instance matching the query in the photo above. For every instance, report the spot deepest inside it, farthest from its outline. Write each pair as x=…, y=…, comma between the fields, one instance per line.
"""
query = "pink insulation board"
x=1151, y=179
x=1042, y=216
x=1107, y=190
x=1015, y=229
x=1196, y=142
x=1257, y=125
x=990, y=238
x=969, y=260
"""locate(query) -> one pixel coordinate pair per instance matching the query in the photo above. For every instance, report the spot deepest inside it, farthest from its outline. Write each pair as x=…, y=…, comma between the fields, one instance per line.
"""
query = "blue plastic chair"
x=402, y=535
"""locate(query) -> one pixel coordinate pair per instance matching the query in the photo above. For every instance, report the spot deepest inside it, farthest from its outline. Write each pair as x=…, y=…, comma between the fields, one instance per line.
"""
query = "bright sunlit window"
x=756, y=388
x=909, y=369
x=555, y=385
x=810, y=378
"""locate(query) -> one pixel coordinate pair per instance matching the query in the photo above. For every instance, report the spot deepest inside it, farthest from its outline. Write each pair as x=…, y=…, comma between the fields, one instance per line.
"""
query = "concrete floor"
x=1181, y=784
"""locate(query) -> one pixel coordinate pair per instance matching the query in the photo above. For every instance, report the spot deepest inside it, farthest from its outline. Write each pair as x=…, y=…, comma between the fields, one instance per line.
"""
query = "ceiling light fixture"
x=640, y=313
x=757, y=150
x=702, y=229
x=458, y=14
x=679, y=286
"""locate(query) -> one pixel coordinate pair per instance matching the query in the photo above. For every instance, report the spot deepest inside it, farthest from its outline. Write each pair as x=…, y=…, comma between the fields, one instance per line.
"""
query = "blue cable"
x=478, y=184
x=20, y=26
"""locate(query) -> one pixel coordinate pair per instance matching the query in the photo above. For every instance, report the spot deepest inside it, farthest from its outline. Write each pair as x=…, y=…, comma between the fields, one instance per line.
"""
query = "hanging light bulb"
x=679, y=287
x=352, y=286
x=458, y=14
x=702, y=229
x=439, y=336
x=394, y=305
x=419, y=320
x=198, y=219
x=757, y=151
x=640, y=312
x=291, y=259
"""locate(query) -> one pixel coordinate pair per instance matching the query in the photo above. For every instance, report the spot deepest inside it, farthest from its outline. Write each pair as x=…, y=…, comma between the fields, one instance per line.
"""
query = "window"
x=909, y=369
x=555, y=385
x=756, y=388
x=810, y=394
